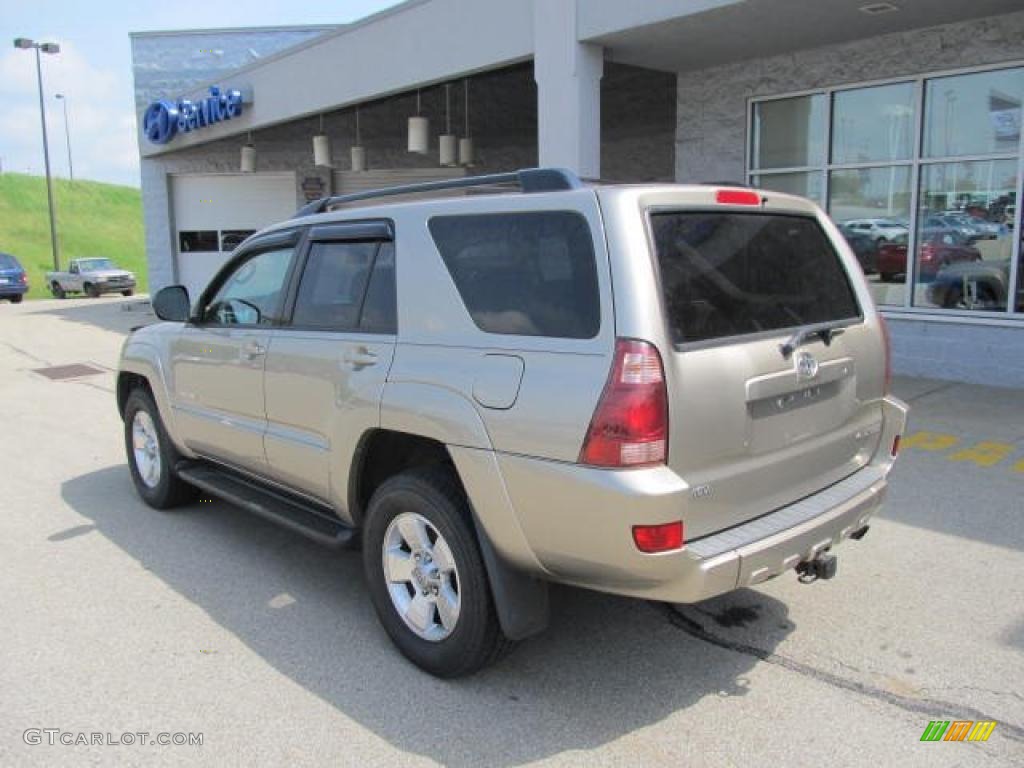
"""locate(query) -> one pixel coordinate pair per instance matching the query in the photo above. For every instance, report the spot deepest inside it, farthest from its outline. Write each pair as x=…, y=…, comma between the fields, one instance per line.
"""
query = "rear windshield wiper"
x=824, y=333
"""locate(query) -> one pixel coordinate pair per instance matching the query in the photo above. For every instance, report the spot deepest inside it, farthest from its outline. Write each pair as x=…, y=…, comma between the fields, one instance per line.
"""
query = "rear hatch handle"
x=825, y=333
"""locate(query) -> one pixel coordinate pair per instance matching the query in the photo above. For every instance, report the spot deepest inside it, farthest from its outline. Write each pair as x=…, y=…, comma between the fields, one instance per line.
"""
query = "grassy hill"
x=93, y=219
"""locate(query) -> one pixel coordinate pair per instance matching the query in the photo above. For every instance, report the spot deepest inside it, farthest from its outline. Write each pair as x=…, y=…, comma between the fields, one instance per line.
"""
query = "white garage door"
x=215, y=212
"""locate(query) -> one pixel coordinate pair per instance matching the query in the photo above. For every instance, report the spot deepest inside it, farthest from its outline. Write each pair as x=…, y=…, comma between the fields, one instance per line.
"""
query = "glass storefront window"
x=974, y=114
x=789, y=133
x=873, y=124
x=803, y=184
x=872, y=208
x=965, y=243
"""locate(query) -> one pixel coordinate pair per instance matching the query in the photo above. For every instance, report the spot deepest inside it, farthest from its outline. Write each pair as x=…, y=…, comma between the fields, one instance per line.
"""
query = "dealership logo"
x=165, y=119
x=958, y=730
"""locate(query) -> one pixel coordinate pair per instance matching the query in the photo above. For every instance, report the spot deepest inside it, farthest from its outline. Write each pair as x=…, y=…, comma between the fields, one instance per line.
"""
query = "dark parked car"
x=864, y=247
x=13, y=279
x=938, y=248
x=974, y=285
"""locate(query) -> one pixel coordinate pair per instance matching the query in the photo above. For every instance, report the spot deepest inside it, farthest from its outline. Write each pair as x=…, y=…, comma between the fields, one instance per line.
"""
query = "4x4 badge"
x=806, y=366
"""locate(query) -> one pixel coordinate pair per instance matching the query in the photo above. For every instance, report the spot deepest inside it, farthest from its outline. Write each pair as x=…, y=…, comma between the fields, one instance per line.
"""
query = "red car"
x=938, y=248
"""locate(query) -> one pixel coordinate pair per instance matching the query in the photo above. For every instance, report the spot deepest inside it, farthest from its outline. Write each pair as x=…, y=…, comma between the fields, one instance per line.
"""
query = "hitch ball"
x=823, y=566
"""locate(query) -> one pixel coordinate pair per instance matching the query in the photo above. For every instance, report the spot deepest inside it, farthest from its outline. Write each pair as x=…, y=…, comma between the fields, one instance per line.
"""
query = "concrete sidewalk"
x=116, y=618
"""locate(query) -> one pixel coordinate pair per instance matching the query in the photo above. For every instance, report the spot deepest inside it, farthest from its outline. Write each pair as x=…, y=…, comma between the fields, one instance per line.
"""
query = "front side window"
x=523, y=274
x=251, y=294
x=730, y=274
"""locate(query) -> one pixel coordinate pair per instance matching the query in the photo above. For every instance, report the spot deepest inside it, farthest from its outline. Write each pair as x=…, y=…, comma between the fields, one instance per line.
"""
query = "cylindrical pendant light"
x=466, y=143
x=448, y=143
x=358, y=153
x=321, y=147
x=248, y=162
x=419, y=131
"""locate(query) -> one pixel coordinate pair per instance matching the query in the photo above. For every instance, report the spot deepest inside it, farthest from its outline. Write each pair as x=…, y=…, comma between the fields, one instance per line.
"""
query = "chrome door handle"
x=360, y=357
x=253, y=350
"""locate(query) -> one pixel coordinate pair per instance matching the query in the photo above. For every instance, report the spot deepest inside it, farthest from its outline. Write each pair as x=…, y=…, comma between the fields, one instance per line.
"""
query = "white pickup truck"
x=93, y=277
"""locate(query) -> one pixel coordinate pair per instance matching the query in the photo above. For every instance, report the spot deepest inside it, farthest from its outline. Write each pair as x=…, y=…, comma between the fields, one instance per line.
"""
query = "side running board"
x=313, y=522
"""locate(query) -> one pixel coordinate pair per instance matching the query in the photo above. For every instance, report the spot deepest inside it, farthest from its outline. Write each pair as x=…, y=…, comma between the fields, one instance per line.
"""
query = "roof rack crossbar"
x=529, y=180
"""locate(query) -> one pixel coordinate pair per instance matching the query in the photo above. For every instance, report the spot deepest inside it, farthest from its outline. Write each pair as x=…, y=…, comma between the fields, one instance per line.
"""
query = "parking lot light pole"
x=67, y=134
x=23, y=43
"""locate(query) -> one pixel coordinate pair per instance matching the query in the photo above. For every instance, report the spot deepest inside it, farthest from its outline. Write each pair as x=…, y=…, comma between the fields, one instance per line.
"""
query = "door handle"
x=252, y=350
x=360, y=357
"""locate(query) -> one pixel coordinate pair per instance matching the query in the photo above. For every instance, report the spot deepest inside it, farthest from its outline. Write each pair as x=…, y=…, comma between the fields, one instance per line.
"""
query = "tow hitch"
x=822, y=566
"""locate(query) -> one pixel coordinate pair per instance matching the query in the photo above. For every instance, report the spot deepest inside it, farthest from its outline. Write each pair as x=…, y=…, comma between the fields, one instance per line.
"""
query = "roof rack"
x=529, y=180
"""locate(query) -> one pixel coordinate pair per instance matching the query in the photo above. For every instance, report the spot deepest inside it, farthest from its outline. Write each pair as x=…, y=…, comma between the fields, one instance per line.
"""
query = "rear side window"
x=729, y=274
x=524, y=274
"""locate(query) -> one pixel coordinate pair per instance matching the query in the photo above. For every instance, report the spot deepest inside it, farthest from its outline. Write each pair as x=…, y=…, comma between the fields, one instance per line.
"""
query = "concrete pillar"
x=568, y=75
x=158, y=220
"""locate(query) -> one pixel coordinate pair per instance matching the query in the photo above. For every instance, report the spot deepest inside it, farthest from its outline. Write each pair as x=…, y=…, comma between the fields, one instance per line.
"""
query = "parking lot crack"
x=26, y=353
x=932, y=708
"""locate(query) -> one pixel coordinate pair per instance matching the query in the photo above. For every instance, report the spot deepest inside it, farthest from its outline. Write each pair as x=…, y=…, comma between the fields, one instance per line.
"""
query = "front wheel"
x=129, y=292
x=151, y=455
x=426, y=575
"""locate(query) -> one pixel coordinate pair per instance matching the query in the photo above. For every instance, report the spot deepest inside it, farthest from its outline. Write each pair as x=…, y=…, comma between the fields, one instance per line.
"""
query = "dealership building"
x=901, y=118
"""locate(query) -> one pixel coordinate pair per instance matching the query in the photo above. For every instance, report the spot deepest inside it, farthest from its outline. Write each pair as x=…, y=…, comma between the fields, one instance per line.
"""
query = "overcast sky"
x=94, y=70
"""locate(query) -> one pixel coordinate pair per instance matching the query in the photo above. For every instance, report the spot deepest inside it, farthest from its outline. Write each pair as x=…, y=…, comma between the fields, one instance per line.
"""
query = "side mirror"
x=172, y=304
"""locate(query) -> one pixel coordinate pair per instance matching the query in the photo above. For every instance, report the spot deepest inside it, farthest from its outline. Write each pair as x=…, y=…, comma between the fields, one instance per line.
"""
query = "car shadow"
x=108, y=313
x=606, y=667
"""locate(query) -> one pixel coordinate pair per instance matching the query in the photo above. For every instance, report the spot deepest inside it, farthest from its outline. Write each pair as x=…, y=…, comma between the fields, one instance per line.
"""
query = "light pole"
x=67, y=134
x=24, y=44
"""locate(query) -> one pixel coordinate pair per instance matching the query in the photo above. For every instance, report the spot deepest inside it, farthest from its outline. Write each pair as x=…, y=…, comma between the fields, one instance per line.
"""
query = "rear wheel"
x=426, y=576
x=151, y=455
x=91, y=291
x=16, y=299
x=57, y=290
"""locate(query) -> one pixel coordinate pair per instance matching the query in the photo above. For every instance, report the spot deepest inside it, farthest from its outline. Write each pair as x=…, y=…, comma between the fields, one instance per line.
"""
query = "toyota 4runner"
x=661, y=391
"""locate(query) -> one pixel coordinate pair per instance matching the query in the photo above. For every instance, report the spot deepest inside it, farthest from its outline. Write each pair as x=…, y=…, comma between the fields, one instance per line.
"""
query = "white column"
x=568, y=75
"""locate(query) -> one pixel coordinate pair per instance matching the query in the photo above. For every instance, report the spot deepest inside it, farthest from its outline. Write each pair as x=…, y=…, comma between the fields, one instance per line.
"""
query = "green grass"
x=93, y=219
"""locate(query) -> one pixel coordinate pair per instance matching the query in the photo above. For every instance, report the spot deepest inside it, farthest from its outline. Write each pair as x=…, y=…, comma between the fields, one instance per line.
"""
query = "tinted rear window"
x=8, y=262
x=526, y=274
x=729, y=274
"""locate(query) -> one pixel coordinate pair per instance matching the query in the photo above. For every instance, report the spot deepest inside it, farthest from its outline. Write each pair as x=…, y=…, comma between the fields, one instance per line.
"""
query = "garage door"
x=215, y=212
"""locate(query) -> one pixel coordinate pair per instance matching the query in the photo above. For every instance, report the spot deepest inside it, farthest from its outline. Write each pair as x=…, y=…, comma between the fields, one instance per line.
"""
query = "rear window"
x=730, y=274
x=8, y=262
x=525, y=274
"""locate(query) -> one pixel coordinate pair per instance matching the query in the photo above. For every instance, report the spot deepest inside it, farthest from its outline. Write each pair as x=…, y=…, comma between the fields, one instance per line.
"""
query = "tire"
x=91, y=291
x=57, y=290
x=127, y=293
x=161, y=489
x=17, y=299
x=432, y=497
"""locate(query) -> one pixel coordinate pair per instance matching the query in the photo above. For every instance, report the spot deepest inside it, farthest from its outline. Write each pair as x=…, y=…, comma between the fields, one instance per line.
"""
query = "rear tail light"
x=24, y=278
x=630, y=424
x=658, y=538
x=737, y=197
x=887, y=344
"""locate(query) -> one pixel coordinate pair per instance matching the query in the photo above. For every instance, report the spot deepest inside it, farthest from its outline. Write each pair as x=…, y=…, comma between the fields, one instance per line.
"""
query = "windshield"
x=729, y=274
x=95, y=265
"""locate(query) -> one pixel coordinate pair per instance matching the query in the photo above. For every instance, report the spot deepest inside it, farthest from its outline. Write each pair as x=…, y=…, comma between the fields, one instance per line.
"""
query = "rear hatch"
x=754, y=426
x=10, y=271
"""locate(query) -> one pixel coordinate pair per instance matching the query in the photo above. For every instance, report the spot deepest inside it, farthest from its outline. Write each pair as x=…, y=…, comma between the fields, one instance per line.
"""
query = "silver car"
x=661, y=391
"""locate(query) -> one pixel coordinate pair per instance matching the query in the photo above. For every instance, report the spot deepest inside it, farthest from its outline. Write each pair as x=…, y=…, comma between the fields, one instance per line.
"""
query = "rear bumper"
x=584, y=538
x=13, y=289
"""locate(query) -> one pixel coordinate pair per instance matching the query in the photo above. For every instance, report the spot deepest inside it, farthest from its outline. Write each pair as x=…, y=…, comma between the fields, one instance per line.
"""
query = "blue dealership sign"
x=165, y=119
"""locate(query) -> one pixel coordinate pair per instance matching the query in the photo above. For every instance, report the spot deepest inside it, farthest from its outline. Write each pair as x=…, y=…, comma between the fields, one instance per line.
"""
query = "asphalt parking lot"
x=116, y=619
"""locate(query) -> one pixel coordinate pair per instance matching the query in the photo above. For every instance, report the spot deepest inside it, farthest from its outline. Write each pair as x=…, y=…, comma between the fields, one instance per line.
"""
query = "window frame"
x=253, y=248
x=377, y=231
x=916, y=163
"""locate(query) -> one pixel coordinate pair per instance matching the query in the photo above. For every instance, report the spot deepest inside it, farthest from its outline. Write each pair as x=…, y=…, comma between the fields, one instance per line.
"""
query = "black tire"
x=170, y=490
x=477, y=639
x=91, y=291
x=57, y=290
x=16, y=299
x=129, y=292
